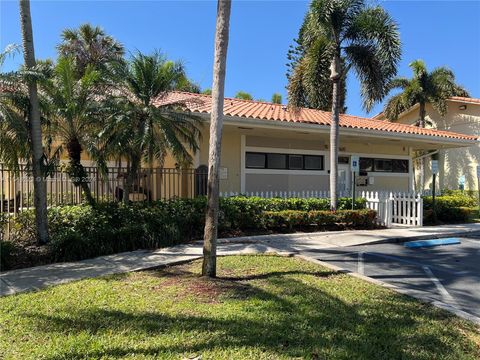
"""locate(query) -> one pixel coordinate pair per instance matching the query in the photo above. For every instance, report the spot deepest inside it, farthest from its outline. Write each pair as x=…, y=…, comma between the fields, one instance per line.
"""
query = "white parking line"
x=360, y=264
x=446, y=297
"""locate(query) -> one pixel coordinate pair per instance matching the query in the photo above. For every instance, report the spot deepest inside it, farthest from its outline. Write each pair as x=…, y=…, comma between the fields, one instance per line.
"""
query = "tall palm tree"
x=209, y=267
x=346, y=34
x=434, y=87
x=40, y=190
x=90, y=45
x=74, y=112
x=142, y=131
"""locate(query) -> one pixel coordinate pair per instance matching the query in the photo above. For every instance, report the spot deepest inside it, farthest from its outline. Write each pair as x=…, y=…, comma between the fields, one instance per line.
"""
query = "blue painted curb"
x=433, y=242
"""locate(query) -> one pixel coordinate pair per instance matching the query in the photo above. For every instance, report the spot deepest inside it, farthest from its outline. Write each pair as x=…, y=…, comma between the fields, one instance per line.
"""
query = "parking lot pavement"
x=449, y=274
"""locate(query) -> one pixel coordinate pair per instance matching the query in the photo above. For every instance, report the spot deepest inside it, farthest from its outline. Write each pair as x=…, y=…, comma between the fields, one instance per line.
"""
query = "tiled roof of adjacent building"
x=465, y=100
x=201, y=103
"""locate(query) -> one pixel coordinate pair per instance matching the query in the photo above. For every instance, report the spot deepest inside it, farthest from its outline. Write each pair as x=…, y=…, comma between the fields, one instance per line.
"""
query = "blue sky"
x=440, y=32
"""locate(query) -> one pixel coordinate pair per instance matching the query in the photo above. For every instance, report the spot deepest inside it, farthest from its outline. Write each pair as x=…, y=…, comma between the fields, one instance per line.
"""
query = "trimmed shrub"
x=319, y=219
x=449, y=201
x=455, y=207
x=81, y=231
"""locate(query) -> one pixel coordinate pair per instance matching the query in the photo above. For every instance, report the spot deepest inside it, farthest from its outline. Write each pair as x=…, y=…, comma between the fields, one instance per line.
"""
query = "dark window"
x=255, y=160
x=400, y=166
x=295, y=162
x=343, y=160
x=383, y=165
x=276, y=161
x=313, y=162
x=366, y=164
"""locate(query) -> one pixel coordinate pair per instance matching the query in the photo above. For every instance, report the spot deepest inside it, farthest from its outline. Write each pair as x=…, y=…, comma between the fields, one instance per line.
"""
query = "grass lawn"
x=261, y=307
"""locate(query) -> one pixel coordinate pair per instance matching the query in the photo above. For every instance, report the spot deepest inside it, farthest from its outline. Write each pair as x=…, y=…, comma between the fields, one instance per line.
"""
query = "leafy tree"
x=89, y=45
x=336, y=36
x=40, y=190
x=277, y=98
x=434, y=87
x=243, y=95
x=209, y=266
x=140, y=130
x=207, y=92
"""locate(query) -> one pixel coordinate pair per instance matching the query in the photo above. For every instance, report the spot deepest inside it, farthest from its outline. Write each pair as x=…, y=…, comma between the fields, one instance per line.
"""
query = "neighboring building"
x=268, y=147
x=457, y=167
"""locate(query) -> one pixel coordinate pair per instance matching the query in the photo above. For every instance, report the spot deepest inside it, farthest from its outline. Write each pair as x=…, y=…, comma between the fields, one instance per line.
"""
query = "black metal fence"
x=16, y=188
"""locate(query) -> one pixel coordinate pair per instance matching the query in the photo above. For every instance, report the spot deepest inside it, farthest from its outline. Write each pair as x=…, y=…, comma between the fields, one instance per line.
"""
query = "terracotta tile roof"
x=276, y=112
x=465, y=100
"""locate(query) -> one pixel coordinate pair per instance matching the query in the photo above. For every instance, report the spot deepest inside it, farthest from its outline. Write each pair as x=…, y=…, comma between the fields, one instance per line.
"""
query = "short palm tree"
x=74, y=113
x=143, y=132
x=434, y=87
x=15, y=144
x=348, y=34
x=89, y=45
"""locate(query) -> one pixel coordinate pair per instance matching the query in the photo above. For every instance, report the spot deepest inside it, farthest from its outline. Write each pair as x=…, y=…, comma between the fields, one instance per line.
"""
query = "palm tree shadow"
x=298, y=321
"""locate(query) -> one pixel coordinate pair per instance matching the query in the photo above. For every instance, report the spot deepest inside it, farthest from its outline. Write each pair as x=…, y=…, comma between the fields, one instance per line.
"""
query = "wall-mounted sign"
x=435, y=167
x=355, y=164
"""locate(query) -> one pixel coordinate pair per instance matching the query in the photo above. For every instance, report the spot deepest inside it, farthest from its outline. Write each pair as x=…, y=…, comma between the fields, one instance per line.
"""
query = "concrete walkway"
x=16, y=281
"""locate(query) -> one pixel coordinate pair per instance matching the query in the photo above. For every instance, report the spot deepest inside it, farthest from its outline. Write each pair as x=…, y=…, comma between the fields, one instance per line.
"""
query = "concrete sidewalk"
x=16, y=281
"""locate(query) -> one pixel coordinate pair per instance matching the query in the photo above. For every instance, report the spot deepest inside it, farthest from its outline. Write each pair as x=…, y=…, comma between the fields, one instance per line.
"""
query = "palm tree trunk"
x=422, y=160
x=132, y=172
x=76, y=170
x=335, y=77
x=40, y=190
x=209, y=267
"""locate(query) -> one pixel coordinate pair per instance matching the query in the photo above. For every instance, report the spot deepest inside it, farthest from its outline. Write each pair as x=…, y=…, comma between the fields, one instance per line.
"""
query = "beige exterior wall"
x=258, y=180
x=453, y=163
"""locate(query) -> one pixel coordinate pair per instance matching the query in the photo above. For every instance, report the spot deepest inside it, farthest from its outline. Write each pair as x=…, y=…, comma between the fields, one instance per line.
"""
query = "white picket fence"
x=307, y=194
x=393, y=208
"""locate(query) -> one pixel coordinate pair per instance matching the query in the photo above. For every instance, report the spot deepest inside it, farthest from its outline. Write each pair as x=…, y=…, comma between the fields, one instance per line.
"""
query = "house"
x=269, y=147
x=457, y=166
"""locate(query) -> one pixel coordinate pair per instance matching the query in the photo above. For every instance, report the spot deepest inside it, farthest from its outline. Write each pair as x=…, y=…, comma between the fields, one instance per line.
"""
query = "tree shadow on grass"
x=297, y=319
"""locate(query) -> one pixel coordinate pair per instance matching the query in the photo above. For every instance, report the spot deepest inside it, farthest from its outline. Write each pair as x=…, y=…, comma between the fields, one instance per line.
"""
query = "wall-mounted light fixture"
x=462, y=107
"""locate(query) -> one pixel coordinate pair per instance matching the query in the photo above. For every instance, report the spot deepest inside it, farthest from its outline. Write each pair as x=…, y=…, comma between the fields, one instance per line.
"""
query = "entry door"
x=344, y=177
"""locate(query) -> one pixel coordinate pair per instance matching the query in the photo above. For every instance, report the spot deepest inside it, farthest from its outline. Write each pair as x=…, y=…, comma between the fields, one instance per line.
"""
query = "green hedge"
x=80, y=231
x=452, y=207
x=342, y=219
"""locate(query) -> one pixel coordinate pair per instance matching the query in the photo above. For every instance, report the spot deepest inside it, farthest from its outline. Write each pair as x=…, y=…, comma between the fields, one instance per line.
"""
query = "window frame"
x=287, y=164
x=392, y=160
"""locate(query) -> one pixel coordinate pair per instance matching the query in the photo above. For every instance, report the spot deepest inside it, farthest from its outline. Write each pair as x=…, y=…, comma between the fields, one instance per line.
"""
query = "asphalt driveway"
x=449, y=274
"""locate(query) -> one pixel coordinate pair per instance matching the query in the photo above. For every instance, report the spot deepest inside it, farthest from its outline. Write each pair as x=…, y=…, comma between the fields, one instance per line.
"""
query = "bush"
x=455, y=207
x=449, y=201
x=6, y=253
x=81, y=231
x=319, y=219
